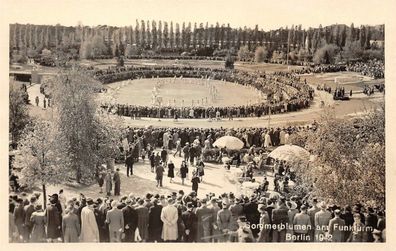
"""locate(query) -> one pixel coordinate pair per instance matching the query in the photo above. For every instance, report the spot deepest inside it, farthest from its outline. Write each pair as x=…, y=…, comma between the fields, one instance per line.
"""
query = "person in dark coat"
x=53, y=220
x=159, y=174
x=195, y=181
x=129, y=164
x=143, y=218
x=155, y=223
x=164, y=155
x=371, y=222
x=183, y=171
x=186, y=151
x=252, y=214
x=130, y=221
x=152, y=161
x=190, y=221
x=29, y=209
x=19, y=217
x=100, y=182
x=171, y=170
x=280, y=216
x=117, y=182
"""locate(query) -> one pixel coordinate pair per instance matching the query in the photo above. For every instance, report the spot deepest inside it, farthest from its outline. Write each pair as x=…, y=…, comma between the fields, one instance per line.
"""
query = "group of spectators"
x=154, y=137
x=183, y=217
x=373, y=68
x=285, y=92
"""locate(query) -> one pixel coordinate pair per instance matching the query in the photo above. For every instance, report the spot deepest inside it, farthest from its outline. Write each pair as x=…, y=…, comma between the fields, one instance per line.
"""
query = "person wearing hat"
x=190, y=221
x=371, y=221
x=53, y=220
x=159, y=174
x=19, y=217
x=236, y=210
x=336, y=227
x=70, y=226
x=224, y=221
x=115, y=220
x=311, y=213
x=195, y=181
x=322, y=219
x=129, y=164
x=183, y=171
x=244, y=233
x=280, y=218
x=186, y=152
x=291, y=213
x=130, y=221
x=29, y=209
x=38, y=224
x=109, y=183
x=117, y=182
x=89, y=227
x=169, y=217
x=215, y=208
x=155, y=224
x=171, y=170
x=252, y=214
x=302, y=225
x=143, y=219
x=205, y=219
x=264, y=234
x=164, y=156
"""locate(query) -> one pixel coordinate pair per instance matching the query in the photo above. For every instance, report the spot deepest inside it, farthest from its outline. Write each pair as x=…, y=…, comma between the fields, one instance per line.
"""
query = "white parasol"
x=229, y=142
x=290, y=153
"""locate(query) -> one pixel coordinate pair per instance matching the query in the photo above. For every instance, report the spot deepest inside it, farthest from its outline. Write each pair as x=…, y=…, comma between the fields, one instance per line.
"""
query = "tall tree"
x=41, y=159
x=18, y=111
x=166, y=35
x=177, y=36
x=171, y=36
x=159, y=35
x=154, y=34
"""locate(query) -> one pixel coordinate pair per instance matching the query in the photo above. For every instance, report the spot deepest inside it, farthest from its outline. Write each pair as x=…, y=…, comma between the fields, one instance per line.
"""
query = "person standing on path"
x=159, y=172
x=171, y=170
x=109, y=183
x=117, y=182
x=129, y=164
x=183, y=171
x=37, y=100
x=195, y=181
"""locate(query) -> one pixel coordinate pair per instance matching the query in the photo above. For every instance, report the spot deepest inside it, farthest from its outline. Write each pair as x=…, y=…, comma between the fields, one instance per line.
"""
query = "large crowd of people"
x=285, y=92
x=183, y=217
x=372, y=68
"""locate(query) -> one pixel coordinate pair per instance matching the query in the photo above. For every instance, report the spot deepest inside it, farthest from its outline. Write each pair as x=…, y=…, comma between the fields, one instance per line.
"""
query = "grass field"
x=182, y=92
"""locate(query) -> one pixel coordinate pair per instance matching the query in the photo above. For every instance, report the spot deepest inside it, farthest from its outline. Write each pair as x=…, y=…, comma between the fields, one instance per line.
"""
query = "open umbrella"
x=290, y=153
x=230, y=142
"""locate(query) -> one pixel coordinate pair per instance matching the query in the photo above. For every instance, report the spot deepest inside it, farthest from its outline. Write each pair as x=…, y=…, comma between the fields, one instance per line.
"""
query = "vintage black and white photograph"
x=196, y=122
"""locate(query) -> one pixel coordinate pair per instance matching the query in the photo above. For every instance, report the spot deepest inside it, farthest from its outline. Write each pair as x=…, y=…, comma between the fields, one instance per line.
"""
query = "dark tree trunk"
x=44, y=197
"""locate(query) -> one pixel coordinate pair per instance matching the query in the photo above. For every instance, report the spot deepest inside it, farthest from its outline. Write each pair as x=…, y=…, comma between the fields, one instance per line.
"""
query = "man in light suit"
x=115, y=219
x=336, y=226
x=302, y=225
x=322, y=219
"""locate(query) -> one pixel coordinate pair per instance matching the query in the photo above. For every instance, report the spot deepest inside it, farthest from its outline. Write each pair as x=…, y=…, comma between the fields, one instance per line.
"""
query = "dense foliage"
x=350, y=159
x=200, y=40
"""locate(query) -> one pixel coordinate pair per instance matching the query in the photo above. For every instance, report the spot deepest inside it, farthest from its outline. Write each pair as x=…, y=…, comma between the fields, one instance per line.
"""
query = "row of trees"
x=170, y=38
x=73, y=144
